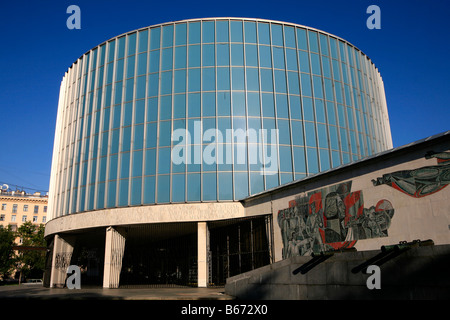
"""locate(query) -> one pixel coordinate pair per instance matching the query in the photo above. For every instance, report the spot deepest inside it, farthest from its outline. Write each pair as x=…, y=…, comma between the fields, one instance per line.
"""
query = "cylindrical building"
x=162, y=130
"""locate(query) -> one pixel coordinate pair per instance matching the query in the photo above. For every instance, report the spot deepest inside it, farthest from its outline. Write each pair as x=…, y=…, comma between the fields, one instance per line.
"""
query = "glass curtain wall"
x=261, y=103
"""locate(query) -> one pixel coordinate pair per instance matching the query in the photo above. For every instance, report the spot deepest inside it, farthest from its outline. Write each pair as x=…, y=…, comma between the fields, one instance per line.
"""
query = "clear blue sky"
x=411, y=50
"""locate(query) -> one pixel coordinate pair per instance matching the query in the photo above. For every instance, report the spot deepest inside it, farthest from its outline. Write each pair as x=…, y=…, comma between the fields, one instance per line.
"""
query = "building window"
x=13, y=218
x=45, y=208
x=14, y=210
x=24, y=218
x=25, y=207
x=2, y=217
x=44, y=219
x=3, y=206
x=36, y=209
x=35, y=218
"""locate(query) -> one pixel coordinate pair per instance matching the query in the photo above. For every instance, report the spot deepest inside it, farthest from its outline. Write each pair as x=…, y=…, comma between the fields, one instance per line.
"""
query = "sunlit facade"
x=307, y=101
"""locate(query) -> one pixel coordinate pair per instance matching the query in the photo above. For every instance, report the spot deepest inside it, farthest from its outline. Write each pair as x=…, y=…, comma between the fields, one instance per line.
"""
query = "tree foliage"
x=7, y=257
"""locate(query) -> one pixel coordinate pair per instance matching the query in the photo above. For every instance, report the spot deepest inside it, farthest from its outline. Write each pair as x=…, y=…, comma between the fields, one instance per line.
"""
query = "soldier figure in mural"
x=329, y=219
x=420, y=182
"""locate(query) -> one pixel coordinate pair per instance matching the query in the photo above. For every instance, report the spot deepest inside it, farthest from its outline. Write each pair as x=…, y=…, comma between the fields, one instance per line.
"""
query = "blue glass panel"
x=295, y=107
x=250, y=31
x=111, y=202
x=153, y=85
x=277, y=35
x=237, y=54
x=163, y=163
x=223, y=54
x=209, y=186
x=306, y=84
x=304, y=61
x=310, y=132
x=302, y=42
x=137, y=164
x=164, y=133
x=112, y=167
x=136, y=191
x=236, y=31
x=256, y=182
x=194, y=105
x=208, y=79
x=282, y=106
x=111, y=49
x=180, y=57
x=336, y=159
x=163, y=188
x=154, y=61
x=238, y=77
x=238, y=103
x=152, y=109
x=149, y=190
x=324, y=159
x=142, y=64
x=225, y=185
x=155, y=38
x=150, y=162
x=194, y=32
x=194, y=80
x=313, y=41
x=285, y=159
x=294, y=86
x=131, y=62
x=326, y=67
x=263, y=33
x=193, y=187
x=313, y=162
x=167, y=40
x=209, y=104
x=223, y=104
x=121, y=48
x=208, y=31
x=320, y=111
x=268, y=106
x=180, y=34
x=322, y=135
x=265, y=57
x=240, y=185
x=284, y=134
x=334, y=138
x=289, y=37
x=167, y=59
x=223, y=79
x=266, y=80
x=271, y=180
x=179, y=181
x=252, y=79
x=280, y=81
x=151, y=135
x=180, y=81
x=100, y=196
x=179, y=106
x=194, y=56
x=143, y=41
x=208, y=55
x=308, y=110
x=253, y=104
x=125, y=165
x=278, y=58
x=297, y=133
x=323, y=44
x=126, y=139
x=251, y=55
x=166, y=82
x=129, y=89
x=119, y=69
x=165, y=112
x=222, y=31
x=291, y=59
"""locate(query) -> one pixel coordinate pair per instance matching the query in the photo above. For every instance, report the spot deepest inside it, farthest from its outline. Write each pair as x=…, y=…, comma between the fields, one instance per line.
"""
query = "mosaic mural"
x=331, y=218
x=423, y=181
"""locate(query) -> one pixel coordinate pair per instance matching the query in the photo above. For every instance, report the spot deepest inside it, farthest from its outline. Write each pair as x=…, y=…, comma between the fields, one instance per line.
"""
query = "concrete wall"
x=418, y=273
x=375, y=202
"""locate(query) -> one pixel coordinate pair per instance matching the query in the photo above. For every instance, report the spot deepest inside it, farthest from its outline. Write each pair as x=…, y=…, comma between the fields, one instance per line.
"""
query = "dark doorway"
x=239, y=245
x=160, y=255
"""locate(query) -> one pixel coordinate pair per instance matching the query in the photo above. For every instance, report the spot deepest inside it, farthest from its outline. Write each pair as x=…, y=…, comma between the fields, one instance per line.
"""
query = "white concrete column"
x=202, y=254
x=62, y=254
x=114, y=250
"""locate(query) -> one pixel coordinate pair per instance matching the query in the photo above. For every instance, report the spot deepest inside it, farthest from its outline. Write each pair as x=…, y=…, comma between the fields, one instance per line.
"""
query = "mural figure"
x=329, y=219
x=420, y=182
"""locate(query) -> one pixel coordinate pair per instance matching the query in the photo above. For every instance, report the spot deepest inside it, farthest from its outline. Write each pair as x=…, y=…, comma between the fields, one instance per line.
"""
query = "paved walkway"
x=36, y=291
